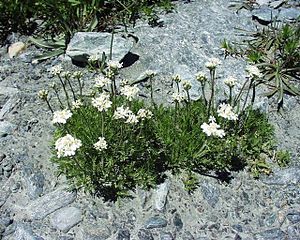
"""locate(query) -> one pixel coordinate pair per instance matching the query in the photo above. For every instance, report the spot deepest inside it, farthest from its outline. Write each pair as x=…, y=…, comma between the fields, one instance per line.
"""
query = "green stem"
x=65, y=91
x=247, y=95
x=60, y=102
x=230, y=96
x=212, y=96
x=203, y=93
x=80, y=87
x=72, y=90
x=237, y=98
x=49, y=106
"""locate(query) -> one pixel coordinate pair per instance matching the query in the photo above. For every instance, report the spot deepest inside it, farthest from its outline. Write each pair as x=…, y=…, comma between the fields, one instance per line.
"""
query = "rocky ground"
x=35, y=203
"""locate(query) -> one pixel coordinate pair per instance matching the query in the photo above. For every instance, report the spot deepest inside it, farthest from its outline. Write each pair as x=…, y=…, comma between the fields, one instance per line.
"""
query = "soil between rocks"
x=35, y=205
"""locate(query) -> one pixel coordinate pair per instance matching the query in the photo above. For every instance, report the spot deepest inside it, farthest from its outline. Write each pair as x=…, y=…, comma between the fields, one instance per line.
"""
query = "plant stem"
x=212, y=96
x=60, y=102
x=230, y=96
x=80, y=87
x=203, y=93
x=65, y=91
x=247, y=95
x=72, y=90
x=237, y=98
x=49, y=106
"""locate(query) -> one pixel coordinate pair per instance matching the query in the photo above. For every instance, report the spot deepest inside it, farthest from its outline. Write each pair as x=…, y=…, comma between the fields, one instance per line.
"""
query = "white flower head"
x=230, y=81
x=114, y=65
x=187, y=85
x=144, y=114
x=177, y=78
x=77, y=74
x=150, y=73
x=102, y=103
x=101, y=144
x=77, y=104
x=61, y=116
x=122, y=113
x=66, y=146
x=101, y=81
x=213, y=129
x=225, y=111
x=65, y=74
x=123, y=82
x=178, y=97
x=94, y=58
x=253, y=71
x=201, y=77
x=43, y=94
x=212, y=63
x=132, y=119
x=55, y=70
x=129, y=92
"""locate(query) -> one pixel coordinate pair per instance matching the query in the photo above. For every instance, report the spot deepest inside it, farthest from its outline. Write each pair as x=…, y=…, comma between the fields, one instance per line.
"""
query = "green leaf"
x=48, y=55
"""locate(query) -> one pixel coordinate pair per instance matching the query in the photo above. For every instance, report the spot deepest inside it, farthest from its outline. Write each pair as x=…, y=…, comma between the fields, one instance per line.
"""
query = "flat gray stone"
x=210, y=193
x=66, y=218
x=85, y=44
x=25, y=233
x=43, y=206
x=160, y=196
x=293, y=217
x=288, y=14
x=34, y=182
x=6, y=128
x=284, y=177
x=155, y=222
x=271, y=234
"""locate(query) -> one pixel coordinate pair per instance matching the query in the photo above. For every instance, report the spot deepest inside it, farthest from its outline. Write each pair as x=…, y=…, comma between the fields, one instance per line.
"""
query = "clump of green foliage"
x=65, y=17
x=108, y=142
x=275, y=49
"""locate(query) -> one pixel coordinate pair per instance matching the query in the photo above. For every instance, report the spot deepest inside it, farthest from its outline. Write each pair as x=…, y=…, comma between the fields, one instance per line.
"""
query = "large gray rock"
x=284, y=177
x=43, y=206
x=160, y=196
x=66, y=218
x=34, y=182
x=85, y=44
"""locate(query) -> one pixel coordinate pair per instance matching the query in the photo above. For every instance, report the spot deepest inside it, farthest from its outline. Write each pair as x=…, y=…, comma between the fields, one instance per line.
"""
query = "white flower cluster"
x=43, y=94
x=212, y=63
x=176, y=78
x=230, y=81
x=77, y=74
x=77, y=104
x=101, y=81
x=61, y=116
x=65, y=74
x=225, y=111
x=114, y=64
x=186, y=85
x=94, y=58
x=123, y=82
x=101, y=144
x=102, y=103
x=178, y=97
x=144, y=114
x=150, y=73
x=201, y=77
x=253, y=71
x=129, y=92
x=213, y=129
x=66, y=146
x=55, y=70
x=130, y=117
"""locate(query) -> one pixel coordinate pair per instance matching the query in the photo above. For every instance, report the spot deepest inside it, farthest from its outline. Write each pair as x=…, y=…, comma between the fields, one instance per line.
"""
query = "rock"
x=155, y=222
x=237, y=227
x=94, y=232
x=15, y=49
x=66, y=218
x=160, y=196
x=264, y=15
x=272, y=234
x=85, y=44
x=2, y=156
x=210, y=193
x=145, y=235
x=6, y=128
x=293, y=232
x=262, y=2
x=43, y=206
x=293, y=217
x=166, y=236
x=177, y=222
x=288, y=14
x=276, y=4
x=34, y=181
x=8, y=106
x=284, y=177
x=25, y=233
x=123, y=234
